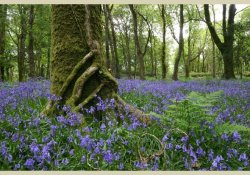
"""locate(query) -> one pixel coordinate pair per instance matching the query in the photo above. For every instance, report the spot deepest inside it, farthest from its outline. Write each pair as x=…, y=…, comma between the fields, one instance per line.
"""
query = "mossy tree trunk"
x=78, y=73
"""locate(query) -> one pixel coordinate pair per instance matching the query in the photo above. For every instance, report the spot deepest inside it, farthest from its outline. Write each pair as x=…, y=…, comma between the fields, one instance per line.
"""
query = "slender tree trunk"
x=48, y=64
x=155, y=60
x=139, y=53
x=226, y=47
x=31, y=43
x=116, y=65
x=203, y=62
x=214, y=67
x=107, y=37
x=127, y=41
x=163, y=56
x=181, y=45
x=189, y=54
x=22, y=38
x=3, y=15
x=152, y=56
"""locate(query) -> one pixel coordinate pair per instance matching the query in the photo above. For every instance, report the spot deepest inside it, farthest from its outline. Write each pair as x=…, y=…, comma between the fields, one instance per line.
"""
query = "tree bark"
x=214, y=67
x=3, y=15
x=21, y=42
x=115, y=61
x=127, y=43
x=31, y=43
x=139, y=53
x=181, y=45
x=226, y=47
x=107, y=37
x=163, y=56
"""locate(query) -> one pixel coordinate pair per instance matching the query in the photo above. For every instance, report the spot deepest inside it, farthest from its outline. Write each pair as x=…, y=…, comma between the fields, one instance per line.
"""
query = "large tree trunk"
x=78, y=73
x=181, y=46
x=226, y=47
x=163, y=56
x=21, y=42
x=3, y=13
x=139, y=53
x=31, y=43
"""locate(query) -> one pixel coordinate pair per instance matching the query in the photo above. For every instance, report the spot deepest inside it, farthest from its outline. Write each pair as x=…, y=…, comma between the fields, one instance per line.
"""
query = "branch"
x=14, y=41
x=172, y=30
x=149, y=32
x=242, y=10
x=212, y=29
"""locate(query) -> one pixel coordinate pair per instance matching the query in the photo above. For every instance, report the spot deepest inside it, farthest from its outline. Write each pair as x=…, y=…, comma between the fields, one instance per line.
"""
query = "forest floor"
x=196, y=125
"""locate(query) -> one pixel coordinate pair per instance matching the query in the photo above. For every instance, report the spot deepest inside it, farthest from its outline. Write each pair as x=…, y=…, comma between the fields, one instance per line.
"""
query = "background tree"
x=3, y=14
x=226, y=47
x=31, y=43
x=163, y=57
x=139, y=52
x=181, y=45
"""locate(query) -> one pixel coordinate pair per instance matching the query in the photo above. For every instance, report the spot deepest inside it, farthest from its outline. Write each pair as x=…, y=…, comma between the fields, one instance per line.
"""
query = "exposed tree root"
x=122, y=105
x=74, y=73
x=79, y=84
x=89, y=98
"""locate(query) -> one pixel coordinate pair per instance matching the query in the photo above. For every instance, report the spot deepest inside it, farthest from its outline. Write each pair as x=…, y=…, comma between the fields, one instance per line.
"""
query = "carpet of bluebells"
x=196, y=125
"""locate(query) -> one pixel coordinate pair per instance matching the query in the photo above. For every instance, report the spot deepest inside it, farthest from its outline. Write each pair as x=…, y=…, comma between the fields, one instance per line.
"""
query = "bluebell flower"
x=71, y=152
x=103, y=127
x=243, y=157
x=29, y=163
x=108, y=157
x=121, y=166
x=169, y=146
x=84, y=141
x=17, y=166
x=15, y=137
x=65, y=161
x=184, y=139
x=236, y=136
x=177, y=147
x=198, y=142
x=97, y=150
x=45, y=139
x=165, y=137
x=34, y=148
x=224, y=136
x=217, y=162
x=83, y=159
x=184, y=148
x=200, y=152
